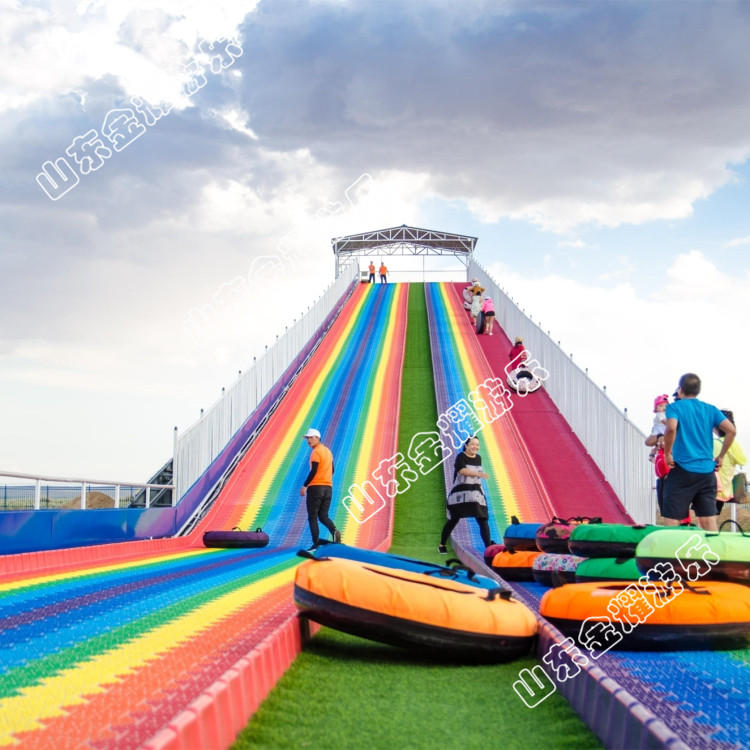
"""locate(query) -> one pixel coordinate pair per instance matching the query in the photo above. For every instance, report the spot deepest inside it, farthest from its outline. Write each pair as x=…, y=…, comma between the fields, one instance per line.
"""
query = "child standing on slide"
x=488, y=308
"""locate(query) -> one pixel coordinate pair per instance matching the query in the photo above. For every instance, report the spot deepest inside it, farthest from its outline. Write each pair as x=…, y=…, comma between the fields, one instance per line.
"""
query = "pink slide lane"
x=574, y=483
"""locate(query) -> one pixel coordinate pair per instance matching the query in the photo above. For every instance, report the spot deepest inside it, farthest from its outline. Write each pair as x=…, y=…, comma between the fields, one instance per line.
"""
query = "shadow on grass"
x=340, y=646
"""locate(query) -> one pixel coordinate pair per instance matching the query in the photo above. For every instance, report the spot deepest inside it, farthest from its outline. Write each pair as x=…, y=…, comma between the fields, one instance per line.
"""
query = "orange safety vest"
x=372, y=267
x=383, y=270
x=324, y=458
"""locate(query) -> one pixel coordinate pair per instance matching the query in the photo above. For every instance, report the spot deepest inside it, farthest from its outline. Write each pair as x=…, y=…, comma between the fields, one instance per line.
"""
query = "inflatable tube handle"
x=694, y=590
x=455, y=566
x=731, y=520
x=236, y=528
x=493, y=594
x=309, y=555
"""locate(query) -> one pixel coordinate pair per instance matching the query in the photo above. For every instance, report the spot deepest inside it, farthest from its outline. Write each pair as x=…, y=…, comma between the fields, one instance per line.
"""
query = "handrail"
x=211, y=495
x=79, y=480
x=202, y=442
x=611, y=439
x=39, y=478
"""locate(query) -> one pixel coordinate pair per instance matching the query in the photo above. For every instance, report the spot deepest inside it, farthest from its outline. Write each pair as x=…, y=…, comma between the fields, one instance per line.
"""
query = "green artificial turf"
x=349, y=693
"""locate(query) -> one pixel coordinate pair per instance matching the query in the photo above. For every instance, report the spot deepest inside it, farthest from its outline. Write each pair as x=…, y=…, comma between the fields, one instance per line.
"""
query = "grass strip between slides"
x=347, y=693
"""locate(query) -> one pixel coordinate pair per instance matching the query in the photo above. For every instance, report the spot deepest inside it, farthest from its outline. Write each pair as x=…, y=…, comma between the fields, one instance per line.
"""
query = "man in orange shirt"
x=319, y=488
x=383, y=272
x=371, y=268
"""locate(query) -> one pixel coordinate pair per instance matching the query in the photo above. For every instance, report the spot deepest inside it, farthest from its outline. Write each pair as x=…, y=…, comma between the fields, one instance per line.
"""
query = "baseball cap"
x=312, y=432
x=663, y=399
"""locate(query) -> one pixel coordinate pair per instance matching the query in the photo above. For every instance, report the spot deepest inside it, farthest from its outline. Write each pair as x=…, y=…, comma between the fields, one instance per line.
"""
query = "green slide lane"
x=347, y=693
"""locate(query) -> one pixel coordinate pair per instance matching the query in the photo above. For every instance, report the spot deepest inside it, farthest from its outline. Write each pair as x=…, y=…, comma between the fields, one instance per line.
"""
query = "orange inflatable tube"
x=657, y=615
x=515, y=566
x=412, y=609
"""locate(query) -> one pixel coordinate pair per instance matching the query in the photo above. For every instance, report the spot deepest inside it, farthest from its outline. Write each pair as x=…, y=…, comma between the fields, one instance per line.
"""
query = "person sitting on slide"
x=517, y=354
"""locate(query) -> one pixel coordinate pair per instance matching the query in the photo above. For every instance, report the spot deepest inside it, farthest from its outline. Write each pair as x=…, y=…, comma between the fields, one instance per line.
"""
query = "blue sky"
x=640, y=253
x=598, y=150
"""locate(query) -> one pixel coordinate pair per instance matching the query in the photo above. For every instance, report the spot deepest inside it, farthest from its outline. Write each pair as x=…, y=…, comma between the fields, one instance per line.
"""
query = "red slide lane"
x=574, y=483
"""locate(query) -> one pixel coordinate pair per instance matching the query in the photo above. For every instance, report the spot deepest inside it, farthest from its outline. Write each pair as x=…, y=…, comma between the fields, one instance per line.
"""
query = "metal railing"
x=611, y=439
x=197, y=447
x=58, y=496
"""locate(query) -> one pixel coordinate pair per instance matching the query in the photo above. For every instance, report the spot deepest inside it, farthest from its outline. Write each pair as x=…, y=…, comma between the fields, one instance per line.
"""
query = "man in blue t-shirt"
x=688, y=449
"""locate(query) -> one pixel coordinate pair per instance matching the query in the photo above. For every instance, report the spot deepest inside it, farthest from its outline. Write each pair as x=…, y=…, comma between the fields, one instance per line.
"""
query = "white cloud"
x=151, y=338
x=637, y=345
x=144, y=278
x=739, y=241
x=576, y=243
x=48, y=51
x=586, y=114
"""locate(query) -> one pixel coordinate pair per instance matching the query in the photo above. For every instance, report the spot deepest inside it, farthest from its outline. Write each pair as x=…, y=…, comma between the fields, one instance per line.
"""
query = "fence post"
x=83, y=495
x=37, y=494
x=174, y=468
x=117, y=496
x=148, y=497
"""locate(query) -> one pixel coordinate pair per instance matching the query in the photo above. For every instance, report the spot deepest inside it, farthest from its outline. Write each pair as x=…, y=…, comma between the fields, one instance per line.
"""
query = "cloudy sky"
x=598, y=150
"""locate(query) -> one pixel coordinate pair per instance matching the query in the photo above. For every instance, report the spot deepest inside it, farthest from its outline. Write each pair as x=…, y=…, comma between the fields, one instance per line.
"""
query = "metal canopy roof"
x=404, y=240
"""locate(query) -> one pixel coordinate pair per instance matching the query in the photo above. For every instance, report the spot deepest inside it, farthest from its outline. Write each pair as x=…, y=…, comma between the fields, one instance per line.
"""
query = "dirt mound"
x=93, y=500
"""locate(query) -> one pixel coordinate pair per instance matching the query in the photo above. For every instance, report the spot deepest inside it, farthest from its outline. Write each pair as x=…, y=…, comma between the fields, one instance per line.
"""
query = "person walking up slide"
x=318, y=488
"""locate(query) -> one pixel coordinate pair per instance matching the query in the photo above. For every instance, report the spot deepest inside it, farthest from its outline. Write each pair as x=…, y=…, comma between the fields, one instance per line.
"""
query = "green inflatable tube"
x=607, y=539
x=607, y=569
x=695, y=553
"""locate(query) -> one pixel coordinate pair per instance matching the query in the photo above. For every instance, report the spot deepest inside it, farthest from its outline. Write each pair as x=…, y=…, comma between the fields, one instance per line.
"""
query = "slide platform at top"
x=106, y=645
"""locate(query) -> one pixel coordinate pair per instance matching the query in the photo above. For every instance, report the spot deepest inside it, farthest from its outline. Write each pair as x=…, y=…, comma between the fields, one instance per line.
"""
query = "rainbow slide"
x=137, y=644
x=155, y=643
x=459, y=368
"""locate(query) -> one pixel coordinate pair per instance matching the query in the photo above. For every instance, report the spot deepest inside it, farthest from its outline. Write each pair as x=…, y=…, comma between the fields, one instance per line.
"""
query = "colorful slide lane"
x=575, y=484
x=354, y=402
x=108, y=652
x=514, y=486
x=704, y=697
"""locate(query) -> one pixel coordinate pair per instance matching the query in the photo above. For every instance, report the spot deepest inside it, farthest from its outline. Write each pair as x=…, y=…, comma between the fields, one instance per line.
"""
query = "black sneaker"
x=313, y=548
x=442, y=549
x=337, y=537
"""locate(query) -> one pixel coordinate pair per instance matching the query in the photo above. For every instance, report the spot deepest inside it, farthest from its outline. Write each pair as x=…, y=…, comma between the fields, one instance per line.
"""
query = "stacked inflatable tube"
x=705, y=554
x=414, y=610
x=550, y=569
x=515, y=566
x=607, y=569
x=518, y=536
x=708, y=615
x=491, y=551
x=554, y=536
x=608, y=539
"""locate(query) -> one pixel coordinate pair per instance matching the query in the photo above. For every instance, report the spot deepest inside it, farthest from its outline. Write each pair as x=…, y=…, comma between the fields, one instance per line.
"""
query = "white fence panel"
x=611, y=439
x=201, y=443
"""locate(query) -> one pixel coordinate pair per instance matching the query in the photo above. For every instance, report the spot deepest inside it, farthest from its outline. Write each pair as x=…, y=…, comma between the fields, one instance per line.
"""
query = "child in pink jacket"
x=488, y=308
